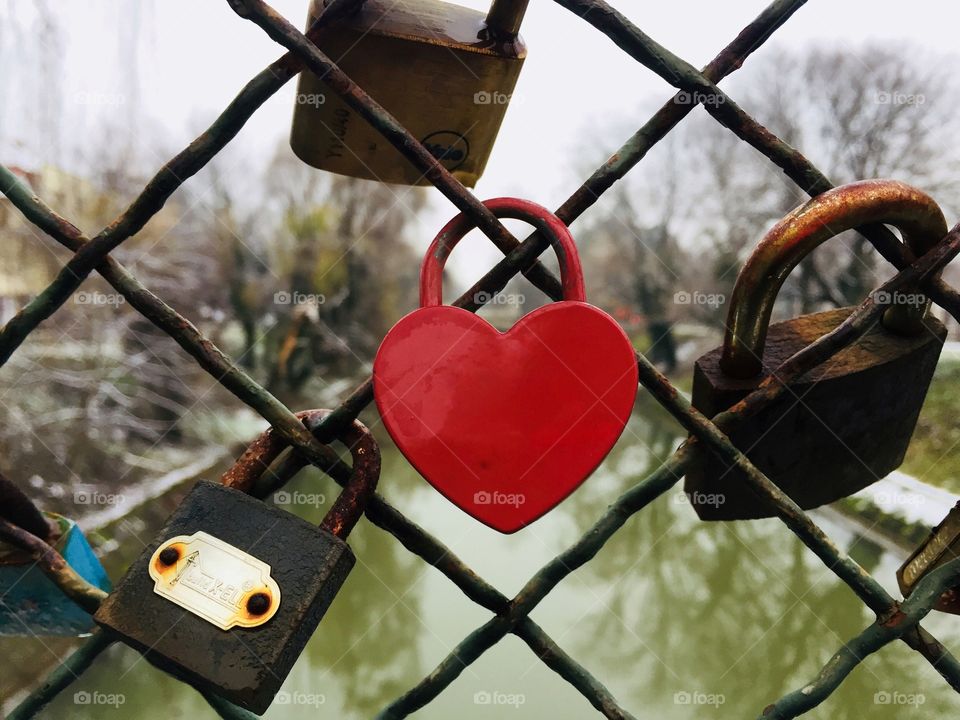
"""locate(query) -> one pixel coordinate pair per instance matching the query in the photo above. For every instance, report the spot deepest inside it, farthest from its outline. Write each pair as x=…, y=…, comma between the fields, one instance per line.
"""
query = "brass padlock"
x=444, y=71
x=942, y=546
x=846, y=423
x=231, y=590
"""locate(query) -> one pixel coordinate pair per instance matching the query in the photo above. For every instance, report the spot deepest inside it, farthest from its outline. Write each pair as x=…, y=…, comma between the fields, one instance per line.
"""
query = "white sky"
x=197, y=55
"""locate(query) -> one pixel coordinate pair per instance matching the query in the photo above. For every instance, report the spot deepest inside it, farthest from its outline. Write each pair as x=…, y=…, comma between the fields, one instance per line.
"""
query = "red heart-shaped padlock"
x=505, y=425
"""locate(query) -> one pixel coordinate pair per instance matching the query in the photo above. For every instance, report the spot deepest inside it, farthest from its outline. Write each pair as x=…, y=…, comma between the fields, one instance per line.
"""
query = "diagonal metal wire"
x=895, y=620
x=728, y=113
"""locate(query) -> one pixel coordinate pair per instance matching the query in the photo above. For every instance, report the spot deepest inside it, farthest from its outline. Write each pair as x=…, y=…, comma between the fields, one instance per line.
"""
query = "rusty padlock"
x=942, y=546
x=232, y=589
x=444, y=71
x=848, y=422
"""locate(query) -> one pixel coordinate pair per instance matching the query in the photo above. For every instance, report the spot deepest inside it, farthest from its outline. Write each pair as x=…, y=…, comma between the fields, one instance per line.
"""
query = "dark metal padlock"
x=848, y=422
x=445, y=72
x=942, y=546
x=232, y=589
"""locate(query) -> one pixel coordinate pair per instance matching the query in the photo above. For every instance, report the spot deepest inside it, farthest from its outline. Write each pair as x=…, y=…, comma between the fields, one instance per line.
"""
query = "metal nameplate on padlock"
x=211, y=578
x=942, y=546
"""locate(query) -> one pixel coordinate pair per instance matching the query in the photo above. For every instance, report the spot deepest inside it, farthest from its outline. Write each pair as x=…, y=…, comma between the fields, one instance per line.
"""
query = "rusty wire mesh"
x=896, y=620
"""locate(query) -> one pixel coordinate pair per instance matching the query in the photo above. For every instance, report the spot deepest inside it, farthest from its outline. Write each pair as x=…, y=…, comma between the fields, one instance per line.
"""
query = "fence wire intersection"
x=896, y=620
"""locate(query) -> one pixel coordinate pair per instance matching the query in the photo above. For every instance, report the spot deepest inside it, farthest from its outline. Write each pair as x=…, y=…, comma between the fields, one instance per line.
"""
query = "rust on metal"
x=214, y=580
x=53, y=565
x=867, y=202
x=940, y=547
x=854, y=416
x=352, y=501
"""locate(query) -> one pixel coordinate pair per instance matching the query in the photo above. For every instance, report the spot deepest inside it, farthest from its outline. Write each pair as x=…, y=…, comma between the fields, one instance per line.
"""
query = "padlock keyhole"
x=169, y=556
x=258, y=603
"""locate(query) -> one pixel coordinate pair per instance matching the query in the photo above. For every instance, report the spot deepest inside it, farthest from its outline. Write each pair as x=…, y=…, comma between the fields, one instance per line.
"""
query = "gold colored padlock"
x=444, y=71
x=942, y=546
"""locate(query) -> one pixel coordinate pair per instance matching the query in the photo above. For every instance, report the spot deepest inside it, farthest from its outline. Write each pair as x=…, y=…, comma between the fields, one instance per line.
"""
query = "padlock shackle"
x=910, y=210
x=552, y=227
x=505, y=18
x=352, y=500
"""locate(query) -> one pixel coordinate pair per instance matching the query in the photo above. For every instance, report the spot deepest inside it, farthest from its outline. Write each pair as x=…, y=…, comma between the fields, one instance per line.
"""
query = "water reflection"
x=730, y=616
x=673, y=615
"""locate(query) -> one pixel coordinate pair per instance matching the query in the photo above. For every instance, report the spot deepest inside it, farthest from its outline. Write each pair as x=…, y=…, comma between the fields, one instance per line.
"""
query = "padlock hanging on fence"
x=505, y=425
x=940, y=547
x=445, y=72
x=30, y=603
x=232, y=589
x=848, y=422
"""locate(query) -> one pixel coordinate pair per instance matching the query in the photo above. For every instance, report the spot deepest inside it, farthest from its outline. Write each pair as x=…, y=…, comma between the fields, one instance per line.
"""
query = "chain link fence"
x=896, y=620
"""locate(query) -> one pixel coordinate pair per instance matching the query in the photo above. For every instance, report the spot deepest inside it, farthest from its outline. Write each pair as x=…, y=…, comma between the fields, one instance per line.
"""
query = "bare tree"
x=318, y=268
x=857, y=113
x=634, y=269
x=867, y=112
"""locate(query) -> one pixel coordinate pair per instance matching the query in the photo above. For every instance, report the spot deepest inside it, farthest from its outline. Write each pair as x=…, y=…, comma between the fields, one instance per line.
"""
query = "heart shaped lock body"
x=505, y=424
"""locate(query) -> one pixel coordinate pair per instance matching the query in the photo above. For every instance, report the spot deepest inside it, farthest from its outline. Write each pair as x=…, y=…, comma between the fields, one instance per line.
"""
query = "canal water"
x=678, y=618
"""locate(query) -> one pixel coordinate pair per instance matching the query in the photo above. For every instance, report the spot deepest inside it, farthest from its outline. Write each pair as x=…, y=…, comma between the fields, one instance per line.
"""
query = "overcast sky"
x=194, y=57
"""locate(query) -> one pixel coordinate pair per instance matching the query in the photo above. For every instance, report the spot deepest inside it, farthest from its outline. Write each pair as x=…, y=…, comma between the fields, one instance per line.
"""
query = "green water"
x=679, y=619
